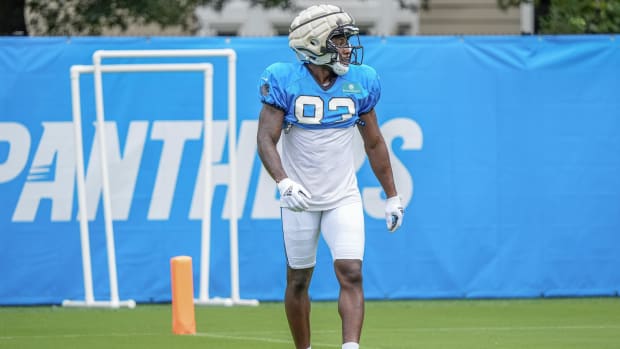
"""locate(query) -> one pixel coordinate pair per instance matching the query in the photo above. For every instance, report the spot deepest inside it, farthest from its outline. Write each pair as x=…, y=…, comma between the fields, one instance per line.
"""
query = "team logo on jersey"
x=351, y=87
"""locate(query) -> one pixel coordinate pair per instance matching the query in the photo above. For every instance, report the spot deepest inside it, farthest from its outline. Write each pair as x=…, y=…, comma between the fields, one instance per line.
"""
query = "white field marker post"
x=205, y=245
x=114, y=302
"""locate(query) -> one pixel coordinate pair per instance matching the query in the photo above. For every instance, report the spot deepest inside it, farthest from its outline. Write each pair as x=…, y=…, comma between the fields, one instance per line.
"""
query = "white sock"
x=350, y=345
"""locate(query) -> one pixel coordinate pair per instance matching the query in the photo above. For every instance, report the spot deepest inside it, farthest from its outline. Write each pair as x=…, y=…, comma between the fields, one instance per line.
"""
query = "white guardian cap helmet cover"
x=311, y=33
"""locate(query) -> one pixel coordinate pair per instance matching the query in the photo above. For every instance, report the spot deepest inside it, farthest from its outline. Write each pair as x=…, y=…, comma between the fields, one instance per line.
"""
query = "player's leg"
x=297, y=305
x=343, y=230
x=301, y=236
x=351, y=299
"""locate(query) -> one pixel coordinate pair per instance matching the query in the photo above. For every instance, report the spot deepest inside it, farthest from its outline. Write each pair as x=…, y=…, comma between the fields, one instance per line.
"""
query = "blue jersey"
x=318, y=145
x=292, y=88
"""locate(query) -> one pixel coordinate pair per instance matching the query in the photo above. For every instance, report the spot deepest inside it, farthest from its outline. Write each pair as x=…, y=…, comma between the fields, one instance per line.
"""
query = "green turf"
x=586, y=323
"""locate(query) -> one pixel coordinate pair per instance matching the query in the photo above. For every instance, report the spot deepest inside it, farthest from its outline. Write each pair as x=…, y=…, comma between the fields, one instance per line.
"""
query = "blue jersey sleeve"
x=269, y=89
x=373, y=87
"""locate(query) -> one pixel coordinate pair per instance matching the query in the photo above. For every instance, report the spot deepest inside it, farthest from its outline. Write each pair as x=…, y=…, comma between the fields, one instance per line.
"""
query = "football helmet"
x=312, y=35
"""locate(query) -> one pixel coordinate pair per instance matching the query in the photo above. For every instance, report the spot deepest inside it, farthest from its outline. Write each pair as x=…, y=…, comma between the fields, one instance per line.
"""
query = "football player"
x=314, y=107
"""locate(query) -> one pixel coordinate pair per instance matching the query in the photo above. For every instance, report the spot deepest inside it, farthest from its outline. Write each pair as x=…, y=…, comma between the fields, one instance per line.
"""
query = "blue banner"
x=505, y=152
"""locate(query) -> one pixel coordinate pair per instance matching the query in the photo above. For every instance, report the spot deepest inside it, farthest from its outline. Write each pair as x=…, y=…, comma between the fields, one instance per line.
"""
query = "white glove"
x=293, y=195
x=393, y=213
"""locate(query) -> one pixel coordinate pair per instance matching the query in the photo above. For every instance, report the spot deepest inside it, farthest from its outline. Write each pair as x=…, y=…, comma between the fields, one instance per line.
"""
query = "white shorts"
x=342, y=229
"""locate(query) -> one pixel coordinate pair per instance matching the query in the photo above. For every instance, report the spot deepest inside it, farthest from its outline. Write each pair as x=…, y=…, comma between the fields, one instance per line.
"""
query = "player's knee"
x=298, y=281
x=349, y=273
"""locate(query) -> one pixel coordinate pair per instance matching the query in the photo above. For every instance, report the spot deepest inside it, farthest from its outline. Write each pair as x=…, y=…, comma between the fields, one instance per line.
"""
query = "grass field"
x=584, y=323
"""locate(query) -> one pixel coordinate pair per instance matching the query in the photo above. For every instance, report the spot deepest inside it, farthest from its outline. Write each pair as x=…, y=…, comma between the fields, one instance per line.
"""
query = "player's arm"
x=269, y=129
x=293, y=195
x=379, y=159
x=377, y=152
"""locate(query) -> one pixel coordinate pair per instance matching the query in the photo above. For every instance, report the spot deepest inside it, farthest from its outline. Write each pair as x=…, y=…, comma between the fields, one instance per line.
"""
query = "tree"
x=576, y=17
x=90, y=17
x=573, y=16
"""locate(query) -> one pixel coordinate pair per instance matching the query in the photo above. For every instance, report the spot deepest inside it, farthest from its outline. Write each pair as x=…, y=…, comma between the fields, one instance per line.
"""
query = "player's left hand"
x=393, y=213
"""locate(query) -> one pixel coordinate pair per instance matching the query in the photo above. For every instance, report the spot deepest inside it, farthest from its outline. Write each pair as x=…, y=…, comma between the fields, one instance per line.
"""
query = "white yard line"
x=495, y=328
x=268, y=336
x=259, y=339
x=69, y=335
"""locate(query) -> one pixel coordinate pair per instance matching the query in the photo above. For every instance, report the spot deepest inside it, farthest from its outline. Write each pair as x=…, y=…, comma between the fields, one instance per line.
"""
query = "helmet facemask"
x=344, y=37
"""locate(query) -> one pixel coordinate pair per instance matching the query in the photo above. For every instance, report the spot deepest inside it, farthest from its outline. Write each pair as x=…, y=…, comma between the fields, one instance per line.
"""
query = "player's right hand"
x=394, y=213
x=293, y=195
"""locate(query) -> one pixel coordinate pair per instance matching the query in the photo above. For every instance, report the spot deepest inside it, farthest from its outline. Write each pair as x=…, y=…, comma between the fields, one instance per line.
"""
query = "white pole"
x=231, y=54
x=232, y=158
x=164, y=53
x=89, y=295
x=207, y=145
x=105, y=179
x=527, y=17
x=76, y=70
x=416, y=19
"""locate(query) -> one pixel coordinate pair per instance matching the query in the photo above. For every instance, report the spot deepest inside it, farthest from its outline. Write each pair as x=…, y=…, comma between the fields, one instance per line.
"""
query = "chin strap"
x=339, y=68
x=335, y=65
